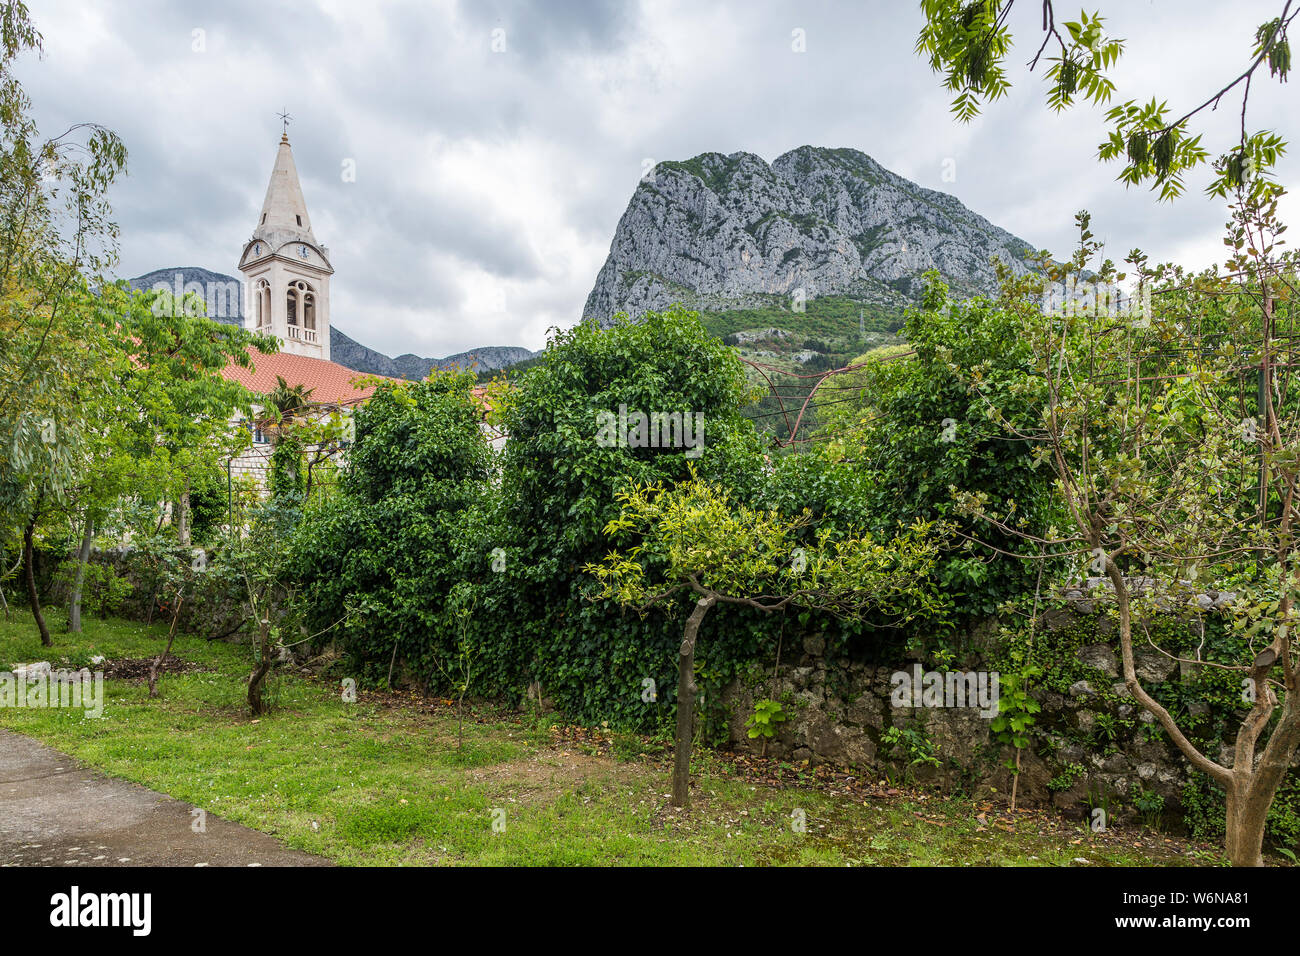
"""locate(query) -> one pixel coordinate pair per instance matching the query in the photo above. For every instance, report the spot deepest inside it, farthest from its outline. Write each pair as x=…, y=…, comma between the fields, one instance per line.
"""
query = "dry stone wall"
x=1091, y=745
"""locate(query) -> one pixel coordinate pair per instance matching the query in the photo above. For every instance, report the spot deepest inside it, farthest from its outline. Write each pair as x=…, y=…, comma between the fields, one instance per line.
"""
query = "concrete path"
x=54, y=812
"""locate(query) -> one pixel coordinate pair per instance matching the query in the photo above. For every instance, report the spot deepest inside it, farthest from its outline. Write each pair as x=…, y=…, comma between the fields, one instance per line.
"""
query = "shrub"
x=209, y=502
x=920, y=433
x=378, y=559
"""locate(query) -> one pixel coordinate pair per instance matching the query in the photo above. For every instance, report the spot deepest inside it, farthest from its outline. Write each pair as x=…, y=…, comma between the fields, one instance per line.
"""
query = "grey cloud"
x=585, y=92
x=539, y=30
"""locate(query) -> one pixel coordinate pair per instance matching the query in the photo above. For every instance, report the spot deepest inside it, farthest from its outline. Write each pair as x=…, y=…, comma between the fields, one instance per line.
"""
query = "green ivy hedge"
x=425, y=506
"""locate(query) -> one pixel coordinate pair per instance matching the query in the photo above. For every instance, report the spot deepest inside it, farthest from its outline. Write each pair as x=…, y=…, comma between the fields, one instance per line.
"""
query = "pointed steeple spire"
x=284, y=211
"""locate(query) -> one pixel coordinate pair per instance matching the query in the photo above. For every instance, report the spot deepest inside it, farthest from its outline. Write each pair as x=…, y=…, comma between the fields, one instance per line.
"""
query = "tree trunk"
x=183, y=516
x=1015, y=781
x=1249, y=787
x=29, y=556
x=262, y=668
x=1244, y=824
x=3, y=603
x=686, y=703
x=1239, y=823
x=158, y=661
x=1248, y=813
x=255, y=687
x=79, y=581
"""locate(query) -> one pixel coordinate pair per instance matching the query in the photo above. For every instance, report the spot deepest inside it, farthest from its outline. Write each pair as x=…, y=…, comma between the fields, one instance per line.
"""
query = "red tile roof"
x=328, y=381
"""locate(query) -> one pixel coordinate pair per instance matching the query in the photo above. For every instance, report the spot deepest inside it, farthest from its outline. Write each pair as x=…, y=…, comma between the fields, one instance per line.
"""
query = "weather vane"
x=285, y=117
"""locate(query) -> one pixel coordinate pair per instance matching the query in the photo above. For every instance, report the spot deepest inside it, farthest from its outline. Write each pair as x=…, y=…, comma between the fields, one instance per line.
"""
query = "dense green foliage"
x=558, y=493
x=416, y=518
x=836, y=320
x=918, y=432
x=288, y=473
x=378, y=559
x=209, y=503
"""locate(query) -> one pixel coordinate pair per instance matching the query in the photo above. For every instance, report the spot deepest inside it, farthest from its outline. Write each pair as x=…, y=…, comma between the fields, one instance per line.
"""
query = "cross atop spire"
x=284, y=118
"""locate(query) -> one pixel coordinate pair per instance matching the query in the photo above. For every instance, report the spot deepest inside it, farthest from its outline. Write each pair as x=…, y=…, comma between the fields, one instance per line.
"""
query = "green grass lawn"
x=381, y=781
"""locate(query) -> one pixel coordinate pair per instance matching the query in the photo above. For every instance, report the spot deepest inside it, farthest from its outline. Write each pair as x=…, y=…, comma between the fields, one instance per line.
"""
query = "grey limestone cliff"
x=720, y=232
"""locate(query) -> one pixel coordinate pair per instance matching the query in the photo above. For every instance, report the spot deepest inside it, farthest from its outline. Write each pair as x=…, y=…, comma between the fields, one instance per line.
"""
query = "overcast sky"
x=489, y=182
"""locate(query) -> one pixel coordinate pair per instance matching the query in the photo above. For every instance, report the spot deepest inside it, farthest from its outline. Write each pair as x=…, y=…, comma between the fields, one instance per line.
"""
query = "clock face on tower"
x=257, y=249
x=302, y=252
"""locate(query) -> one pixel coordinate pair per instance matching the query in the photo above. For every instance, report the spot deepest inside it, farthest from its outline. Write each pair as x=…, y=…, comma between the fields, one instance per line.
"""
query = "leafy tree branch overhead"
x=969, y=43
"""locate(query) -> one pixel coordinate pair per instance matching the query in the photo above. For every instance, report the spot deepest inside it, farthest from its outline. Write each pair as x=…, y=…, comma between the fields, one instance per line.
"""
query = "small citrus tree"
x=694, y=539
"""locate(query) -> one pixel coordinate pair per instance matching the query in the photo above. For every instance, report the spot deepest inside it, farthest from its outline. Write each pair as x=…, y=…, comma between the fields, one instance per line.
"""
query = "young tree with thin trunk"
x=462, y=604
x=694, y=540
x=33, y=595
x=260, y=560
x=79, y=576
x=1173, y=434
x=158, y=662
x=260, y=607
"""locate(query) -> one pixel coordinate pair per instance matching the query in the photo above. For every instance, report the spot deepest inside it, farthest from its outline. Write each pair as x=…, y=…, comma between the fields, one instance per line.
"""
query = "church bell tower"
x=286, y=272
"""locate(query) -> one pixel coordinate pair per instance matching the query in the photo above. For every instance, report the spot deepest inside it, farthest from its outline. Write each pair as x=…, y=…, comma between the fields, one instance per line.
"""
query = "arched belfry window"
x=301, y=303
x=263, y=303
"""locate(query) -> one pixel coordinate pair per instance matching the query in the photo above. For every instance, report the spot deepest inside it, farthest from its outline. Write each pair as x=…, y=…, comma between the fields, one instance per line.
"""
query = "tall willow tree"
x=101, y=392
x=56, y=235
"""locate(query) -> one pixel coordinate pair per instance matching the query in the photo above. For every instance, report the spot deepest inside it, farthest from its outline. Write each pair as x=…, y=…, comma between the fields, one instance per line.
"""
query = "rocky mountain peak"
x=733, y=231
